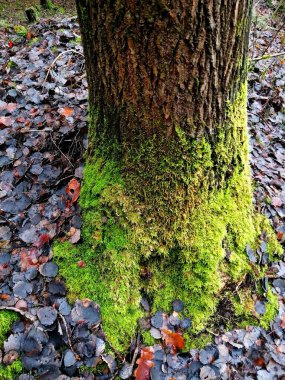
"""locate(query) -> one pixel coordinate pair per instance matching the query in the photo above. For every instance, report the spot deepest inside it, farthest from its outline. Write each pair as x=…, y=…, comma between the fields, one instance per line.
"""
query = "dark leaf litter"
x=42, y=143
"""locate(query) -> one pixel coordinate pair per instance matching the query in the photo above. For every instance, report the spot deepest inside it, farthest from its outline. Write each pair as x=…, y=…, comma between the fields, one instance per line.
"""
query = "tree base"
x=157, y=224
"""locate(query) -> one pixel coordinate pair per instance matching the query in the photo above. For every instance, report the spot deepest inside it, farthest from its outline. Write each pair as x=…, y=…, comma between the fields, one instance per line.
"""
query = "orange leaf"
x=145, y=363
x=66, y=111
x=259, y=362
x=173, y=339
x=73, y=190
x=4, y=297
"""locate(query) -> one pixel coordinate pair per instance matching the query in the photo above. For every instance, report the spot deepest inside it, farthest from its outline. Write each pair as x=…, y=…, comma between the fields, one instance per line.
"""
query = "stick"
x=61, y=151
x=268, y=56
x=25, y=314
x=56, y=58
x=67, y=333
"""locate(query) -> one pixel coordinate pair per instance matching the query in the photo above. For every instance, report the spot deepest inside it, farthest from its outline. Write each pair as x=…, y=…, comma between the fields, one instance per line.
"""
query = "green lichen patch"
x=169, y=218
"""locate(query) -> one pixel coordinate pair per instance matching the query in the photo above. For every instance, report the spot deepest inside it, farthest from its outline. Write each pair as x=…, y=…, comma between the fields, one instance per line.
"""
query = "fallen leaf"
x=173, y=339
x=259, y=362
x=282, y=323
x=66, y=111
x=5, y=121
x=276, y=202
x=43, y=239
x=73, y=190
x=75, y=236
x=4, y=297
x=145, y=363
x=81, y=264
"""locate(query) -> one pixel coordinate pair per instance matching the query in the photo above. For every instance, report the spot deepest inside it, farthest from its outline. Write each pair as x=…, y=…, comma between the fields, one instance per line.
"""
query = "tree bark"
x=167, y=198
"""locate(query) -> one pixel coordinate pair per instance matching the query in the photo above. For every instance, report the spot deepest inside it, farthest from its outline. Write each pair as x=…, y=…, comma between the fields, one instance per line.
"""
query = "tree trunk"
x=167, y=198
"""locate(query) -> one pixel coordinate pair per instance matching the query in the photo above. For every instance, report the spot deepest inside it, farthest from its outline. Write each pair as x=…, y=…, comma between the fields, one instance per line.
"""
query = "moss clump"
x=4, y=24
x=7, y=318
x=162, y=217
x=199, y=342
x=11, y=371
x=245, y=312
x=20, y=30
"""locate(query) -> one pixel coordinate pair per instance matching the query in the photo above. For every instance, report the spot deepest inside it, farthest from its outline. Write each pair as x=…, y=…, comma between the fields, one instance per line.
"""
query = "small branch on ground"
x=67, y=334
x=56, y=58
x=268, y=56
x=25, y=314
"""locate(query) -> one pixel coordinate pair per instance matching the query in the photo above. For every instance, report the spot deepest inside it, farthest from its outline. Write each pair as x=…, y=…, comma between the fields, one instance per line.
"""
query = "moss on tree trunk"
x=167, y=197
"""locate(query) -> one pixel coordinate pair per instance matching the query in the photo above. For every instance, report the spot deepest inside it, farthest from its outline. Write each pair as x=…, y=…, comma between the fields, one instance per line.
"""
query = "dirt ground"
x=13, y=11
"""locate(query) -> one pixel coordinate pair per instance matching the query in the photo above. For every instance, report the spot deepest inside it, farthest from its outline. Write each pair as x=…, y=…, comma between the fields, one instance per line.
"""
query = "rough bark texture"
x=167, y=194
x=156, y=64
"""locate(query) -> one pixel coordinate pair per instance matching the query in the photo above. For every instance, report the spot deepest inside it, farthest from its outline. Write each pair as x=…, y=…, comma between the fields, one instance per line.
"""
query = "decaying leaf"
x=145, y=363
x=66, y=111
x=173, y=339
x=73, y=190
x=5, y=121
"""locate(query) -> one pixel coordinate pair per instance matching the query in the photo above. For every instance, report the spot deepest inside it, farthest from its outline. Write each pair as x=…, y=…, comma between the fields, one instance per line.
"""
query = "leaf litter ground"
x=43, y=134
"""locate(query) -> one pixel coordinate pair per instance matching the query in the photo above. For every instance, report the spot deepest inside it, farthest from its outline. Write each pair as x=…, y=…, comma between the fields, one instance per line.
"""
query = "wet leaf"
x=5, y=121
x=145, y=363
x=173, y=339
x=73, y=190
x=66, y=111
x=49, y=269
x=47, y=315
x=43, y=239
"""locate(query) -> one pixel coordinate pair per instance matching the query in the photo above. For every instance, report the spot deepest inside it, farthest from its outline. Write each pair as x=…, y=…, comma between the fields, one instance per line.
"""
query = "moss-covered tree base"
x=170, y=220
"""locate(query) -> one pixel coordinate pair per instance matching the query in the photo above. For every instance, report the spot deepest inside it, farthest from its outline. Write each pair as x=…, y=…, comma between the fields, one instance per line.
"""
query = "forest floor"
x=43, y=135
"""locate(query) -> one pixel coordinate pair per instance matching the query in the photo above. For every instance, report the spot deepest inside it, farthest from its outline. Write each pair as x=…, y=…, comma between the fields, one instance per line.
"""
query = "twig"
x=273, y=39
x=67, y=333
x=136, y=351
x=25, y=314
x=211, y=332
x=56, y=58
x=61, y=151
x=268, y=56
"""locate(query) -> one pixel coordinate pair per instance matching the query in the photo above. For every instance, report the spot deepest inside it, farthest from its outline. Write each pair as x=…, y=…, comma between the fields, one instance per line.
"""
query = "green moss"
x=199, y=342
x=147, y=339
x=21, y=30
x=272, y=308
x=49, y=5
x=244, y=309
x=7, y=318
x=11, y=371
x=161, y=216
x=4, y=24
x=78, y=40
